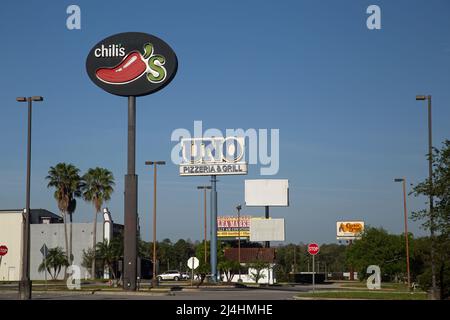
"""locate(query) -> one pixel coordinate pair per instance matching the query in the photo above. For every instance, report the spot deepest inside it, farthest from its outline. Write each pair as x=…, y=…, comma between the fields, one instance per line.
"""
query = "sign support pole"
x=192, y=273
x=45, y=266
x=131, y=186
x=267, y=243
x=313, y=275
x=213, y=247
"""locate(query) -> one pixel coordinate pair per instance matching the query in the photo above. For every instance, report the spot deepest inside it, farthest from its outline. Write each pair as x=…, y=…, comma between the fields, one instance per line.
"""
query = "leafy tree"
x=202, y=271
x=88, y=257
x=205, y=268
x=66, y=180
x=97, y=188
x=55, y=260
x=229, y=268
x=182, y=251
x=258, y=268
x=440, y=190
x=377, y=247
x=421, y=264
x=144, y=249
x=332, y=257
x=290, y=258
x=164, y=254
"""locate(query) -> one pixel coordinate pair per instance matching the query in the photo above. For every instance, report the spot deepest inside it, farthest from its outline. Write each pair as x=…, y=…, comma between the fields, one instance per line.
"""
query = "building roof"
x=249, y=255
x=38, y=214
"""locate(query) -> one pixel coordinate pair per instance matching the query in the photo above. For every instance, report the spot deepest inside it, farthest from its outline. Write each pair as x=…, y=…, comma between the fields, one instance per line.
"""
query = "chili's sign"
x=131, y=64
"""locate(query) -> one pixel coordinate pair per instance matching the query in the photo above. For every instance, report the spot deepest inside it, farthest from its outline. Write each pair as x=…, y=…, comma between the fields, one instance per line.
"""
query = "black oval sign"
x=131, y=64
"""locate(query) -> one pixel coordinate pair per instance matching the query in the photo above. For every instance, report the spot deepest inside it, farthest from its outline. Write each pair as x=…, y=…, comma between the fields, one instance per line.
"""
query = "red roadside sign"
x=3, y=250
x=313, y=249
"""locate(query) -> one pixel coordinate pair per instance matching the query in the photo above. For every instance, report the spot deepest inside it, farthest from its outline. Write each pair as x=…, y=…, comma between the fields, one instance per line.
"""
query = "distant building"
x=248, y=256
x=47, y=229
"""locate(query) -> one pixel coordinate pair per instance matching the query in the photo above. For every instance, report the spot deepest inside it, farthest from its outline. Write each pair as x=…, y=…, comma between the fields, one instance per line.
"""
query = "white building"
x=46, y=228
x=249, y=256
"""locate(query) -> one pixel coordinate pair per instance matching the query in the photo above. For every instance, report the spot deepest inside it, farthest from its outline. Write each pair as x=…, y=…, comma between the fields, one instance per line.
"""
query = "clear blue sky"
x=342, y=96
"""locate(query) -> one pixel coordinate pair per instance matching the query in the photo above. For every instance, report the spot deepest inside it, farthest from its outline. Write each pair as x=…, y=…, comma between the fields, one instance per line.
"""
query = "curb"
x=138, y=293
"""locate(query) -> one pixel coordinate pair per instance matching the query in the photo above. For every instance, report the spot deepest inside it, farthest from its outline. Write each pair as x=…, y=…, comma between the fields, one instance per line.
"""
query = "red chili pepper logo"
x=133, y=66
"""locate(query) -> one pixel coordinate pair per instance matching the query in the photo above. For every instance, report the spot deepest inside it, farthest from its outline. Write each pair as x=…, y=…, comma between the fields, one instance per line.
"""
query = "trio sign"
x=213, y=156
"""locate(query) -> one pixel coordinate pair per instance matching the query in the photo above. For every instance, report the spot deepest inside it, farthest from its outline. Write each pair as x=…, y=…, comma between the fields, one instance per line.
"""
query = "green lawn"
x=367, y=295
x=389, y=286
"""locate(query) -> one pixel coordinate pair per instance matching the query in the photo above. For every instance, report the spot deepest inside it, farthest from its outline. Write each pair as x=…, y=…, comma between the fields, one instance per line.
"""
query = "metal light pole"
x=154, y=164
x=213, y=238
x=25, y=281
x=204, y=188
x=403, y=180
x=238, y=208
x=430, y=177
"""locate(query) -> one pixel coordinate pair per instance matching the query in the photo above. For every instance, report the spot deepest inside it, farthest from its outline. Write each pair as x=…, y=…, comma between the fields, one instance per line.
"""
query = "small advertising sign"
x=228, y=227
x=349, y=230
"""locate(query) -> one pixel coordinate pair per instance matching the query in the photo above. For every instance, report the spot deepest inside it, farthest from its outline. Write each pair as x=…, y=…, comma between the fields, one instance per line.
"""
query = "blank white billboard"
x=267, y=192
x=266, y=229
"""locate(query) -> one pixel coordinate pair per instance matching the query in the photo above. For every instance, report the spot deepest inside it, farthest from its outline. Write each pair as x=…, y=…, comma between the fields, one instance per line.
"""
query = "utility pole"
x=154, y=164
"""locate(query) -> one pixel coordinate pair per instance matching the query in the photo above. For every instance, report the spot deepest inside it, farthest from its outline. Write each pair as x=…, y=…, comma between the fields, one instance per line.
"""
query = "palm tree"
x=109, y=254
x=56, y=259
x=66, y=180
x=97, y=188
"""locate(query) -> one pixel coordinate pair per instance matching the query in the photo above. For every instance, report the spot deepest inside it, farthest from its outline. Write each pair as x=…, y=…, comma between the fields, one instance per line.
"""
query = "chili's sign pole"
x=131, y=64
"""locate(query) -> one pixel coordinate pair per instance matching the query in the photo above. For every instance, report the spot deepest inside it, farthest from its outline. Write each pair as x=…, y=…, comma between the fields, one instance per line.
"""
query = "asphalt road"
x=201, y=294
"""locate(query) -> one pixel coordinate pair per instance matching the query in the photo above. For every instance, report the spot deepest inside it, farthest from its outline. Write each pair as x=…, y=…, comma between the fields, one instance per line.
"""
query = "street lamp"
x=238, y=208
x=430, y=177
x=403, y=180
x=25, y=282
x=204, y=188
x=154, y=164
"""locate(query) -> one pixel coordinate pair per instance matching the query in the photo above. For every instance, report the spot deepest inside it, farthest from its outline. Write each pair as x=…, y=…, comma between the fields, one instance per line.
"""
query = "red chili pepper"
x=132, y=67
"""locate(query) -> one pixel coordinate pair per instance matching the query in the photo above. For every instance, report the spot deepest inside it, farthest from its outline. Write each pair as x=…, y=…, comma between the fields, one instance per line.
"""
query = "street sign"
x=193, y=263
x=44, y=250
x=3, y=250
x=313, y=249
